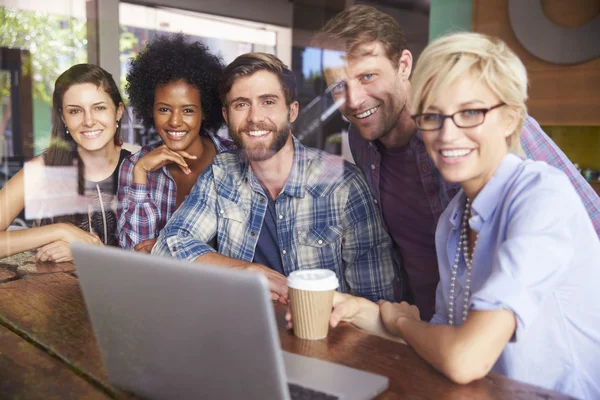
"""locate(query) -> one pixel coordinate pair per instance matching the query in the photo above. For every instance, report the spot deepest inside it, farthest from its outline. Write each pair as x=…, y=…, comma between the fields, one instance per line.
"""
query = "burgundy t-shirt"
x=411, y=223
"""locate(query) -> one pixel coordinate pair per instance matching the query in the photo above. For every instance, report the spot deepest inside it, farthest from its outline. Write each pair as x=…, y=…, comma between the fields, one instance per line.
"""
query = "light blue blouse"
x=537, y=255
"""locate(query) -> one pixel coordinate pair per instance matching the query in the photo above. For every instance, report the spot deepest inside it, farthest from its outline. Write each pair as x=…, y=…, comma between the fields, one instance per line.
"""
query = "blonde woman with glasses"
x=519, y=259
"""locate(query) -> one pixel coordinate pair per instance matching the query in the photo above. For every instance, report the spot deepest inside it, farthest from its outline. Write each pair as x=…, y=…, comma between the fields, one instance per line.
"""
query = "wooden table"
x=48, y=350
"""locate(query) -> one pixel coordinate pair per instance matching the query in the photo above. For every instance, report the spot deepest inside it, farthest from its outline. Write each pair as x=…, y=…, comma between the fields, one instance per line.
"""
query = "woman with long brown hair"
x=87, y=109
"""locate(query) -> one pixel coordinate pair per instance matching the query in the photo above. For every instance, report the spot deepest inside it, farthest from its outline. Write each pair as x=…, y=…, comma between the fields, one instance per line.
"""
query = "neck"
x=403, y=132
x=473, y=186
x=197, y=148
x=274, y=172
x=99, y=163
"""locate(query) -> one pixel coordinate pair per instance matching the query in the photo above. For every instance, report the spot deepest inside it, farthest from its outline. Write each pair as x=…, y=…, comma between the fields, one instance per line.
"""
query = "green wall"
x=449, y=16
x=41, y=125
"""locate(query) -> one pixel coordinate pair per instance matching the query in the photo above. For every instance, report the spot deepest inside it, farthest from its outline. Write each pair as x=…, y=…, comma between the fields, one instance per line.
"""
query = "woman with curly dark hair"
x=173, y=86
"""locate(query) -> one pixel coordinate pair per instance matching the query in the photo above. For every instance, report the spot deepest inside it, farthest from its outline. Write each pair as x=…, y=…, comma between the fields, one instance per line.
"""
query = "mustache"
x=263, y=126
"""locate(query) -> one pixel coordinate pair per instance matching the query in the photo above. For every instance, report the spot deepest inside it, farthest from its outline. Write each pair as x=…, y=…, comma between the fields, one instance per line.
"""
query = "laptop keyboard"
x=303, y=393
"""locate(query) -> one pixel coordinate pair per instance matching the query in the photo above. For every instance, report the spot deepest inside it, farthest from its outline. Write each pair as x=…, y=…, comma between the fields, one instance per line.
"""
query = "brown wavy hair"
x=63, y=149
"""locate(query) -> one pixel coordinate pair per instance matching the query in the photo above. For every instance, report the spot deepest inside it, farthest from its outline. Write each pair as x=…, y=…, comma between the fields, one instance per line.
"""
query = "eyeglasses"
x=462, y=119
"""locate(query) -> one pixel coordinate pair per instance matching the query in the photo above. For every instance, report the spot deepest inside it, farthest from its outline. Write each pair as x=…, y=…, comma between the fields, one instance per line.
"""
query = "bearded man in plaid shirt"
x=275, y=206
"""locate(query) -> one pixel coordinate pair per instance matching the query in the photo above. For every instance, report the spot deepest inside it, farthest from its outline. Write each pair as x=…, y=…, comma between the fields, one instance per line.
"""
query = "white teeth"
x=257, y=133
x=90, y=133
x=177, y=133
x=455, y=153
x=366, y=113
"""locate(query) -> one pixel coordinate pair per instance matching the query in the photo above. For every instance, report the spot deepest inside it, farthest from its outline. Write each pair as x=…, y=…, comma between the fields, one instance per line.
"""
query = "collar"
x=487, y=200
x=295, y=184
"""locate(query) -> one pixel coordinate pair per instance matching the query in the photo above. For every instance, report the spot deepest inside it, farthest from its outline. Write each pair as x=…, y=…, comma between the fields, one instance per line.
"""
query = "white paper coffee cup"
x=311, y=299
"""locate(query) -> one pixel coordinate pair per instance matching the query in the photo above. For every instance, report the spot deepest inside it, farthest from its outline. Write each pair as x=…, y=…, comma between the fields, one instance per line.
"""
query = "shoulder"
x=227, y=162
x=541, y=189
x=133, y=158
x=221, y=144
x=538, y=175
x=534, y=141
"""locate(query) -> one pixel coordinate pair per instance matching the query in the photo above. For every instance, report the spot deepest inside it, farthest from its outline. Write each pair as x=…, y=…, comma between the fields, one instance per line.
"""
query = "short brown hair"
x=249, y=63
x=362, y=24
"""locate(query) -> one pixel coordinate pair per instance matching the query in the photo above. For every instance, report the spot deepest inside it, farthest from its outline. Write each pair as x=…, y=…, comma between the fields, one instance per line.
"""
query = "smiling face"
x=90, y=115
x=177, y=114
x=258, y=118
x=372, y=91
x=469, y=156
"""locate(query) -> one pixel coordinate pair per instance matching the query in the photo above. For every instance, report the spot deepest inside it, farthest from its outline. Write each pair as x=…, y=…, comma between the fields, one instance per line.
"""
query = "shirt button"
x=375, y=201
x=372, y=166
x=262, y=199
x=283, y=251
x=174, y=248
x=222, y=211
x=320, y=241
x=253, y=233
x=280, y=216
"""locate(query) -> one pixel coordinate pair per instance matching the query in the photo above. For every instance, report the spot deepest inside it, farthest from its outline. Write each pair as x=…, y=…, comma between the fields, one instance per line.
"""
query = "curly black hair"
x=169, y=59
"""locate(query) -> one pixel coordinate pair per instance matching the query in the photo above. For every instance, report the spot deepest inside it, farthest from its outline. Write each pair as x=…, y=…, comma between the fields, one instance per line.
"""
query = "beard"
x=261, y=151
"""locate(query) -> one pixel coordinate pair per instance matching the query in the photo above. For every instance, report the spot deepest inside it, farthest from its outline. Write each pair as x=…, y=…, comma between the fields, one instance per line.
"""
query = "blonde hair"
x=452, y=56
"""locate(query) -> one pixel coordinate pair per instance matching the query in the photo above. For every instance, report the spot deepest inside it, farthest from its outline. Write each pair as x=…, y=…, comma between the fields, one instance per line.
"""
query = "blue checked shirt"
x=325, y=213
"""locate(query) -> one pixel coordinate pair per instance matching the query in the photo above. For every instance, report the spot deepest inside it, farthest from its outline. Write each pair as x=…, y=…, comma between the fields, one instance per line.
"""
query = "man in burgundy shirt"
x=372, y=85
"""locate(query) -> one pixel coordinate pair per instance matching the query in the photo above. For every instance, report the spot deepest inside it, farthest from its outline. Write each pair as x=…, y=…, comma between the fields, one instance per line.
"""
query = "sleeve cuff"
x=503, y=292
x=138, y=193
x=187, y=248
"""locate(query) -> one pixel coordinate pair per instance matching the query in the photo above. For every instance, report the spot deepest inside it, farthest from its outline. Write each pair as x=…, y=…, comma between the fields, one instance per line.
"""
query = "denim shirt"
x=538, y=256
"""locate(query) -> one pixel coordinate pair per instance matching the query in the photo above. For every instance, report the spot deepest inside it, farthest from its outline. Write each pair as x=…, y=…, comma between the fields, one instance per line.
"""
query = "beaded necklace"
x=463, y=245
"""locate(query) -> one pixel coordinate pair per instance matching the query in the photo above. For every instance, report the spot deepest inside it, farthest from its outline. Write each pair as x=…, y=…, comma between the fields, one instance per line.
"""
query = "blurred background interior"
x=41, y=38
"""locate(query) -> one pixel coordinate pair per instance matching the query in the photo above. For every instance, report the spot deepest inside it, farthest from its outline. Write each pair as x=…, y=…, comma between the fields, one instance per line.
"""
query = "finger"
x=168, y=157
x=61, y=256
x=338, y=314
x=277, y=283
x=56, y=252
x=339, y=298
x=176, y=158
x=145, y=249
x=45, y=248
x=146, y=242
x=46, y=251
x=186, y=154
x=145, y=246
x=41, y=256
x=64, y=258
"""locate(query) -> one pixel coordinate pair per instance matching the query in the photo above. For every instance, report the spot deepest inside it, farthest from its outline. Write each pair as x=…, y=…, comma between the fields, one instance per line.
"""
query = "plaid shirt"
x=326, y=219
x=534, y=141
x=145, y=209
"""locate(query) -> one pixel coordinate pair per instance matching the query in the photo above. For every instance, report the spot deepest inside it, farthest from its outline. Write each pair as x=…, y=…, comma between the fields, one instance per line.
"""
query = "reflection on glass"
x=5, y=116
x=227, y=37
x=54, y=32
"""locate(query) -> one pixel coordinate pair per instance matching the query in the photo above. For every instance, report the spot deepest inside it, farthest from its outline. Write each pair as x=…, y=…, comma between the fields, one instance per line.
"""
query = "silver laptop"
x=169, y=329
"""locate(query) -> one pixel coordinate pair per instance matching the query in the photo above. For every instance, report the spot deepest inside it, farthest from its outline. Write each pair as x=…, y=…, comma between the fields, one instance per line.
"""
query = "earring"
x=67, y=130
x=117, y=123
